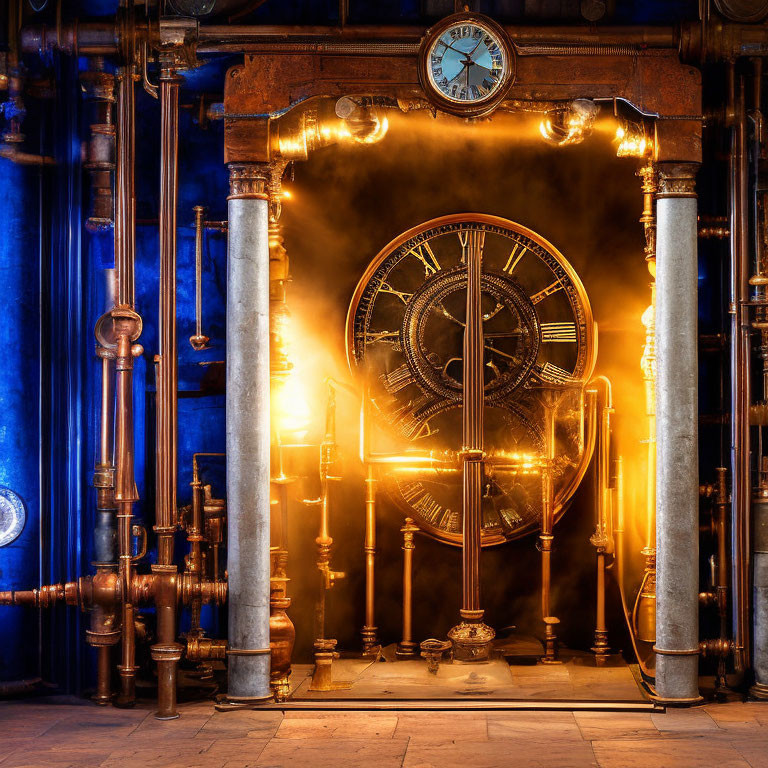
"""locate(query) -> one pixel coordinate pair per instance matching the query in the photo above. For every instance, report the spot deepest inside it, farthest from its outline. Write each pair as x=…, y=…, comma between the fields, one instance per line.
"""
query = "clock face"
x=405, y=331
x=466, y=63
x=12, y=516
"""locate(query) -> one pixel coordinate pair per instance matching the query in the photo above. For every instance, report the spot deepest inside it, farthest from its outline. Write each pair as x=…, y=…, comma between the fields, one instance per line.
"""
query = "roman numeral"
x=514, y=258
x=562, y=332
x=391, y=337
x=553, y=373
x=548, y=291
x=402, y=295
x=425, y=255
x=397, y=379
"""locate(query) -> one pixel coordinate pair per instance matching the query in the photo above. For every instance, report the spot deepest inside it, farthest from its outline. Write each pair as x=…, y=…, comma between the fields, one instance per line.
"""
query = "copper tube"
x=740, y=375
x=125, y=496
x=167, y=652
x=324, y=541
x=199, y=341
x=167, y=358
x=551, y=399
x=602, y=539
x=370, y=641
x=244, y=38
x=103, y=674
x=472, y=427
x=125, y=192
x=406, y=647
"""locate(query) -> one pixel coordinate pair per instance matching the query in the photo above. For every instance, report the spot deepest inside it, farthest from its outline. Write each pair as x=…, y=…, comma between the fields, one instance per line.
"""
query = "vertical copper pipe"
x=167, y=652
x=740, y=374
x=472, y=638
x=167, y=370
x=125, y=194
x=125, y=496
x=126, y=328
x=472, y=429
x=370, y=641
x=406, y=647
x=547, y=524
x=103, y=674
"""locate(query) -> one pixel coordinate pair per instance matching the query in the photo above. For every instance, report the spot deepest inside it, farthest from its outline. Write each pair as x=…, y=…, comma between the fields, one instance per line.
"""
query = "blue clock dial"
x=467, y=63
x=13, y=515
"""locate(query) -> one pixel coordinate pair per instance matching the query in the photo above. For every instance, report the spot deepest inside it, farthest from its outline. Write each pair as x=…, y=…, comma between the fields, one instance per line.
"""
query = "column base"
x=759, y=691
x=226, y=704
x=677, y=702
x=406, y=649
x=471, y=641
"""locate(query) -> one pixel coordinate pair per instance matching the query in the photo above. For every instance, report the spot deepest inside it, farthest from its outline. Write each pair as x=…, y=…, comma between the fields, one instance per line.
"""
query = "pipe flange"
x=110, y=324
x=102, y=639
x=166, y=652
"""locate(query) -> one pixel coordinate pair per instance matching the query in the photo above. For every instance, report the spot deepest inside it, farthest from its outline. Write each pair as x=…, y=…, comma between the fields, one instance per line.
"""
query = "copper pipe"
x=167, y=358
x=472, y=638
x=324, y=541
x=167, y=651
x=199, y=341
x=472, y=428
x=602, y=539
x=551, y=399
x=406, y=648
x=370, y=641
x=125, y=192
x=125, y=496
x=740, y=374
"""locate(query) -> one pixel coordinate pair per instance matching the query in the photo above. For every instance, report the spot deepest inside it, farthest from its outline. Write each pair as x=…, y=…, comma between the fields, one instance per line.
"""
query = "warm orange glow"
x=632, y=141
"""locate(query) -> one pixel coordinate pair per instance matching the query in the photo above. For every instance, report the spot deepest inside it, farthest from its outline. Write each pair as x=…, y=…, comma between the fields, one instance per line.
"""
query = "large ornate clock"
x=466, y=65
x=405, y=331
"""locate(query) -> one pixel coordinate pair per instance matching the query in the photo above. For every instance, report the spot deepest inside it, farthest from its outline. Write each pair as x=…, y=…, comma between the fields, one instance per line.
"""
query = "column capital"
x=677, y=179
x=248, y=181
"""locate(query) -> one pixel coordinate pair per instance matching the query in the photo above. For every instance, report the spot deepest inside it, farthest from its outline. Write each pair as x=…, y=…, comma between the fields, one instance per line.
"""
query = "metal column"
x=248, y=433
x=677, y=484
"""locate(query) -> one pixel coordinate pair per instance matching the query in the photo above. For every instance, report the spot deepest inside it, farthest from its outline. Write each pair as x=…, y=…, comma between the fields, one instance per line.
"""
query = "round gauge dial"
x=405, y=331
x=13, y=515
x=466, y=64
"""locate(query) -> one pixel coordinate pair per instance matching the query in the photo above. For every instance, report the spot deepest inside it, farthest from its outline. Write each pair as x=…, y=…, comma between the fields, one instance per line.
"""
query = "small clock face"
x=12, y=516
x=467, y=63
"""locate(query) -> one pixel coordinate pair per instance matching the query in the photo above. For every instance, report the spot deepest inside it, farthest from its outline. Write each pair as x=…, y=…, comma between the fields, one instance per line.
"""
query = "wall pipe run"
x=677, y=486
x=167, y=652
x=248, y=433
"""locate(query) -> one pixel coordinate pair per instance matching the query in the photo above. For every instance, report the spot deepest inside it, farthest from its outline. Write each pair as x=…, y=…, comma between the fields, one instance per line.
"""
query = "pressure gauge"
x=466, y=65
x=13, y=515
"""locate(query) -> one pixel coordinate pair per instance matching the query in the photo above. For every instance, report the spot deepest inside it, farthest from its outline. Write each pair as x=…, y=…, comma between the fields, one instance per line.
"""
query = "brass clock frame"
x=480, y=107
x=392, y=464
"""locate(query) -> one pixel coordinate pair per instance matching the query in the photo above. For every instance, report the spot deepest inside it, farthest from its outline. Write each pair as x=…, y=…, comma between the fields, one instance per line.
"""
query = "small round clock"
x=466, y=65
x=12, y=516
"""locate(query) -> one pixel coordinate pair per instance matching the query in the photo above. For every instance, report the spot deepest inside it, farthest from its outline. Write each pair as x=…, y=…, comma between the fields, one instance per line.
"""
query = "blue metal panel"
x=19, y=424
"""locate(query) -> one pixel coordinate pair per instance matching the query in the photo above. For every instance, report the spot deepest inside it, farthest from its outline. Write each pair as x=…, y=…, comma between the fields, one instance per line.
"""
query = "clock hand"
x=504, y=334
x=450, y=316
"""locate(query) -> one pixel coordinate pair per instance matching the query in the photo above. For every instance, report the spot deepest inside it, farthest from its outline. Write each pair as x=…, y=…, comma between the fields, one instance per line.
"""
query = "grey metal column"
x=248, y=434
x=760, y=597
x=677, y=478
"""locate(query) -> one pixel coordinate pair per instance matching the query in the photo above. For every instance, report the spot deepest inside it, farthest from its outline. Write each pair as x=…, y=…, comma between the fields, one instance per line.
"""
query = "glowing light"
x=286, y=194
x=632, y=141
x=290, y=409
x=569, y=124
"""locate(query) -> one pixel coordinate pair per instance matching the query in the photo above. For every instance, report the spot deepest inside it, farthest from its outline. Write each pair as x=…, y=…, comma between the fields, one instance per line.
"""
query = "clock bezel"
x=566, y=491
x=480, y=107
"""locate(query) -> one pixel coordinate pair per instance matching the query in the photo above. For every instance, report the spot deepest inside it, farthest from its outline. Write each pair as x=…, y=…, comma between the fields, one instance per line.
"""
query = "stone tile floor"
x=60, y=732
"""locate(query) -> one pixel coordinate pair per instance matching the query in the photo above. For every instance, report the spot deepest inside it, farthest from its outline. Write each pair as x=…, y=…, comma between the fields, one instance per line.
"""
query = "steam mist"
x=347, y=203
